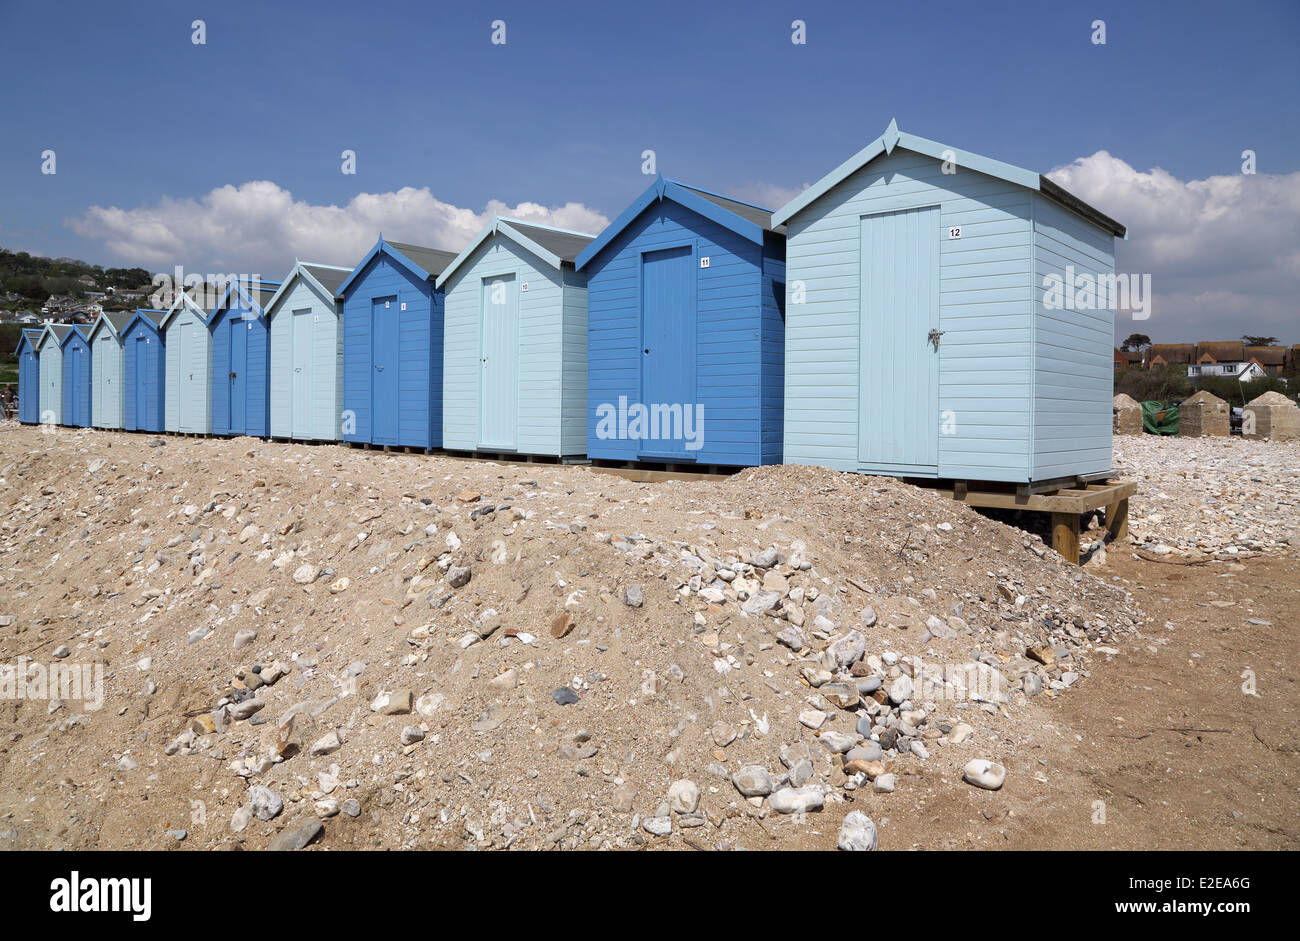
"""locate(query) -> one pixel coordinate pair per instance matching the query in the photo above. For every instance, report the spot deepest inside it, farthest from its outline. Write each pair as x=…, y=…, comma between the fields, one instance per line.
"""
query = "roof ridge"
x=700, y=189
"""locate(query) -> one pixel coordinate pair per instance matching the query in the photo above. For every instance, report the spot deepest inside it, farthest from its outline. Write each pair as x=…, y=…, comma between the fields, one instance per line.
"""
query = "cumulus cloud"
x=259, y=228
x=768, y=195
x=1223, y=252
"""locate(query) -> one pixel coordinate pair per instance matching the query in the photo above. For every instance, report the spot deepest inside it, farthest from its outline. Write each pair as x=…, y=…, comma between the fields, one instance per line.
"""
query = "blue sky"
x=140, y=117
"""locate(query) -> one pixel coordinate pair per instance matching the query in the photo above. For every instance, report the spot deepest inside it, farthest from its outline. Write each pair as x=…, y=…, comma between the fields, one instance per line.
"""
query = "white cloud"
x=768, y=195
x=1223, y=252
x=259, y=228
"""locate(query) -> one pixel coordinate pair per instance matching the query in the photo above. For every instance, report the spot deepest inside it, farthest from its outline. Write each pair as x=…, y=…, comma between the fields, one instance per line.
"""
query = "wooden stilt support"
x=1065, y=536
x=1117, y=520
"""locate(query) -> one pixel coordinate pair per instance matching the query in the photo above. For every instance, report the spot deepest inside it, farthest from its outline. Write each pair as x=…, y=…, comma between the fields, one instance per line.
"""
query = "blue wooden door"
x=386, y=372
x=667, y=348
x=300, y=381
x=499, y=369
x=898, y=373
x=238, y=377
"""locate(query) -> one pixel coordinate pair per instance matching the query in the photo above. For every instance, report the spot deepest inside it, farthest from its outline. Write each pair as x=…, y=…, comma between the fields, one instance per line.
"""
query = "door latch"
x=934, y=336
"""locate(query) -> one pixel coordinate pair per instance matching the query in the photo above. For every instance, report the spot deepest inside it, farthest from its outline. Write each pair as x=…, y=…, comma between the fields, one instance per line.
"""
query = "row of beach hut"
x=809, y=335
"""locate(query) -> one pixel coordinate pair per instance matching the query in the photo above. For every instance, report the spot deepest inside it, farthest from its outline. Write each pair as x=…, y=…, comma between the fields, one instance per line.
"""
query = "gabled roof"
x=186, y=299
x=264, y=290
x=80, y=330
x=748, y=221
x=57, y=331
x=326, y=278
x=113, y=321
x=151, y=316
x=1172, y=352
x=425, y=263
x=31, y=335
x=1267, y=355
x=1222, y=351
x=893, y=137
x=556, y=247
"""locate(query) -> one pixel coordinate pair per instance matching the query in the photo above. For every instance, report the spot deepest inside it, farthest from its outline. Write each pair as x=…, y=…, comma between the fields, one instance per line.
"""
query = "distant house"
x=1171, y=354
x=1241, y=371
x=1226, y=351
x=1271, y=358
x=1127, y=358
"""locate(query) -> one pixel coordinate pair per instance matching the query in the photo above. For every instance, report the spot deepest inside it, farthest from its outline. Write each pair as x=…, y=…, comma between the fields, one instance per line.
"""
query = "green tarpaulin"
x=1159, y=419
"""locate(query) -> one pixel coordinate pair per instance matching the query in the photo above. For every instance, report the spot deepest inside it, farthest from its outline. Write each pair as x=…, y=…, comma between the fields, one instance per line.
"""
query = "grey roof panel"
x=330, y=278
x=119, y=319
x=760, y=217
x=565, y=245
x=432, y=260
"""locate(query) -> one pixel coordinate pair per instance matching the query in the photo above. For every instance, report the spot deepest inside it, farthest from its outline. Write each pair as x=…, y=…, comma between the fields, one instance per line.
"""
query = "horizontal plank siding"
x=1073, y=374
x=325, y=363
x=419, y=356
x=573, y=374
x=985, y=304
x=728, y=333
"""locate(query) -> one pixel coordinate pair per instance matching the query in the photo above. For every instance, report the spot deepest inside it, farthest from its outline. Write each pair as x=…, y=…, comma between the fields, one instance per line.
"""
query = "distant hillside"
x=36, y=278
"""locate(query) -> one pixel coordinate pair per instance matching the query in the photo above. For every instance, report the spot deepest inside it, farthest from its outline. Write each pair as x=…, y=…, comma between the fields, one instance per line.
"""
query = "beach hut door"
x=300, y=421
x=667, y=350
x=898, y=375
x=499, y=364
x=384, y=403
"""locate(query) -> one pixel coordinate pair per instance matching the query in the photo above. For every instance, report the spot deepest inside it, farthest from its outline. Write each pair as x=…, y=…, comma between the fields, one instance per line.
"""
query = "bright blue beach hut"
x=143, y=371
x=76, y=377
x=392, y=347
x=29, y=376
x=241, y=360
x=685, y=331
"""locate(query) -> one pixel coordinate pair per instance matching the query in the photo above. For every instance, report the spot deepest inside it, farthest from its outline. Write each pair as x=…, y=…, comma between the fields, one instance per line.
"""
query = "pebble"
x=900, y=690
x=812, y=718
x=412, y=734
x=883, y=784
x=327, y=744
x=752, y=781
x=351, y=807
x=458, y=576
x=297, y=837
x=838, y=742
x=683, y=797
x=857, y=833
x=565, y=696
x=982, y=772
x=797, y=800
x=658, y=826
x=265, y=803
x=632, y=596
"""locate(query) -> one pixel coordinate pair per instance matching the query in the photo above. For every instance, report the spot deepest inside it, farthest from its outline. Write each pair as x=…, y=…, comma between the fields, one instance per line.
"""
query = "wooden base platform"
x=1066, y=505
